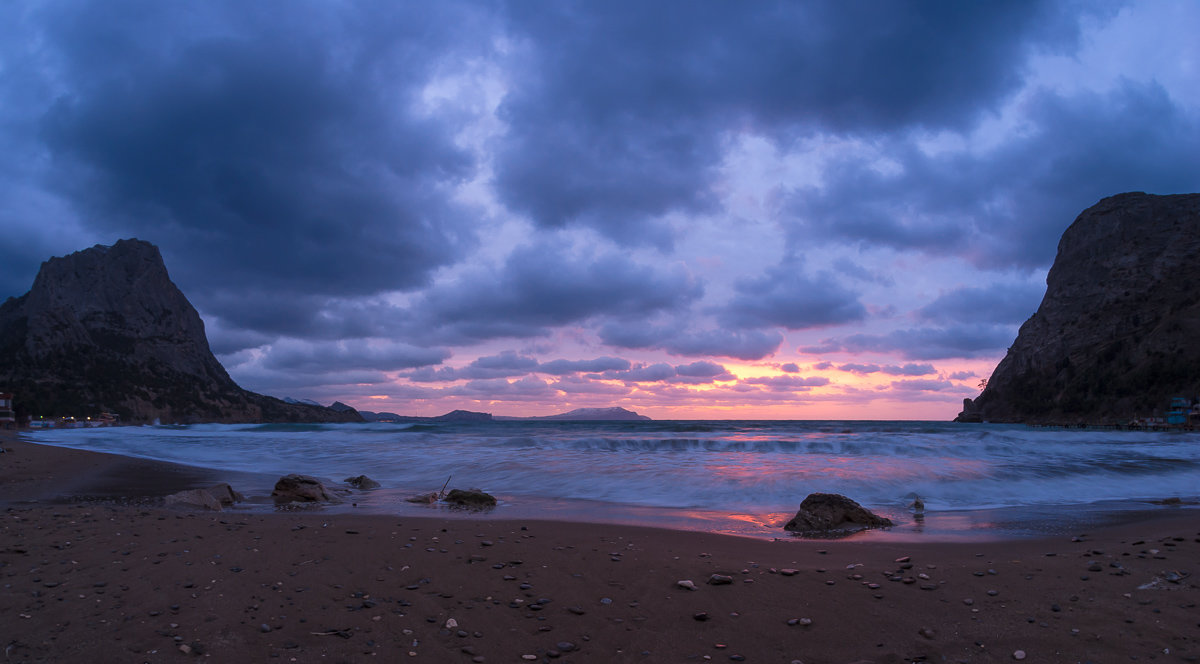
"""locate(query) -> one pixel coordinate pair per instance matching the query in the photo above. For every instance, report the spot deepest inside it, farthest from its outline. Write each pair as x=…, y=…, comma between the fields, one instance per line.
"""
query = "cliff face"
x=1118, y=331
x=105, y=329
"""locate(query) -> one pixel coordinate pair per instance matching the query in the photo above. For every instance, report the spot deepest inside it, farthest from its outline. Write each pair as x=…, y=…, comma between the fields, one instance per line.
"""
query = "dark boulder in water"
x=362, y=482
x=302, y=489
x=826, y=513
x=473, y=498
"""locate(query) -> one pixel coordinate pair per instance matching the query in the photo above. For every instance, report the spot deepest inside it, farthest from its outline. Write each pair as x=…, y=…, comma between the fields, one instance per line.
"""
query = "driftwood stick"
x=442, y=493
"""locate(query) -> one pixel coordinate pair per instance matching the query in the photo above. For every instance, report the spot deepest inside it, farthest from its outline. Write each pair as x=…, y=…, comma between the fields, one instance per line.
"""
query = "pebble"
x=719, y=580
x=686, y=584
x=700, y=617
x=1019, y=655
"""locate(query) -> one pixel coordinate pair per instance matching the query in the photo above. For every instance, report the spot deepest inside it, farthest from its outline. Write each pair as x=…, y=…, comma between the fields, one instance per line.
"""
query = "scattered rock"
x=473, y=498
x=1019, y=655
x=719, y=580
x=302, y=489
x=362, y=482
x=686, y=584
x=225, y=494
x=828, y=513
x=200, y=498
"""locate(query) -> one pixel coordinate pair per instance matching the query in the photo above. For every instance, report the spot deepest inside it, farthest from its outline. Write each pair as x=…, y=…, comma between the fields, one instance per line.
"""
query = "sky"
x=690, y=209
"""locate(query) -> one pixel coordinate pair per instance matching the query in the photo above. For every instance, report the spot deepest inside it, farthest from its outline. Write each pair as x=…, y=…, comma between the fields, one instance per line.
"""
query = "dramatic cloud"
x=926, y=343
x=495, y=205
x=785, y=297
x=546, y=284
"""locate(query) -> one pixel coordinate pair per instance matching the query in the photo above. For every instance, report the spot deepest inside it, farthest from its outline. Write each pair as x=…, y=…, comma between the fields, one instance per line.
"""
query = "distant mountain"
x=614, y=413
x=579, y=414
x=306, y=402
x=1115, y=335
x=105, y=330
x=452, y=416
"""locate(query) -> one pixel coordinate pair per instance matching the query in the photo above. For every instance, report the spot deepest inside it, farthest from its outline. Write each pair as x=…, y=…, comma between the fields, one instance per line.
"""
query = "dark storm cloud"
x=275, y=144
x=786, y=297
x=544, y=284
x=294, y=355
x=680, y=339
x=619, y=112
x=502, y=365
x=702, y=372
x=530, y=387
x=997, y=303
x=925, y=343
x=565, y=367
x=1010, y=208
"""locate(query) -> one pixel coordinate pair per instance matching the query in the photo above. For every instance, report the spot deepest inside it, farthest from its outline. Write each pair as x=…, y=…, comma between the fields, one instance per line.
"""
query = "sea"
x=977, y=481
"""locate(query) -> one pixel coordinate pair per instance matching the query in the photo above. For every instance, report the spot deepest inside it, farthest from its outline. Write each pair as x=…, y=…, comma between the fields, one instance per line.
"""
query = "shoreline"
x=104, y=582
x=111, y=476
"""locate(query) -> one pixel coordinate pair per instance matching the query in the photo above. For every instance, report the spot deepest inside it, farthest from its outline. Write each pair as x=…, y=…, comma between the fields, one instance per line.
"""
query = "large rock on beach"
x=215, y=498
x=302, y=489
x=362, y=482
x=194, y=498
x=826, y=513
x=473, y=498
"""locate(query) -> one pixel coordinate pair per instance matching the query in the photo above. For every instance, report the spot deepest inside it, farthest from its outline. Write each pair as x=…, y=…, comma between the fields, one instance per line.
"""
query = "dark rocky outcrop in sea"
x=825, y=514
x=1116, y=334
x=105, y=330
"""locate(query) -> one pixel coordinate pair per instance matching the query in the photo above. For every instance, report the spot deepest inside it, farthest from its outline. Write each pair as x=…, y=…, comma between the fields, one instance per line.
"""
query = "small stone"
x=529, y=658
x=1019, y=655
x=264, y=628
x=451, y=623
x=806, y=621
x=926, y=632
x=700, y=617
x=719, y=580
x=565, y=646
x=689, y=585
x=788, y=572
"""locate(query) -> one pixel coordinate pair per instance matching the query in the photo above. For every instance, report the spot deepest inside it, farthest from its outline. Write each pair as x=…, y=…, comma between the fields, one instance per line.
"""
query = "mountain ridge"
x=1114, y=336
x=106, y=330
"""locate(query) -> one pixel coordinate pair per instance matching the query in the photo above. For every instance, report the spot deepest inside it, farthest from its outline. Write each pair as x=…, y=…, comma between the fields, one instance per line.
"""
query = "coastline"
x=102, y=581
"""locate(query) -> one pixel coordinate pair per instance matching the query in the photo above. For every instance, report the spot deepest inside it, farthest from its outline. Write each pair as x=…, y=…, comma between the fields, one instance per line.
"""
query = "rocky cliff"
x=1118, y=331
x=105, y=330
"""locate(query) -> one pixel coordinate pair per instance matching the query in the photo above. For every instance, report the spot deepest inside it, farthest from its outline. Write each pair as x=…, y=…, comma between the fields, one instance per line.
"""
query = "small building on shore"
x=8, y=417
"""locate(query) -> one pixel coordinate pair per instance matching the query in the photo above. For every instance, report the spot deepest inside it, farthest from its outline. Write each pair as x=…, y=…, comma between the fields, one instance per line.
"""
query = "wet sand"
x=90, y=580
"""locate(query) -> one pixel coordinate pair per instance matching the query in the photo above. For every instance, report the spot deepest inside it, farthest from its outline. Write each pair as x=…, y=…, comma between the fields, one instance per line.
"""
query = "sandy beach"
x=113, y=581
